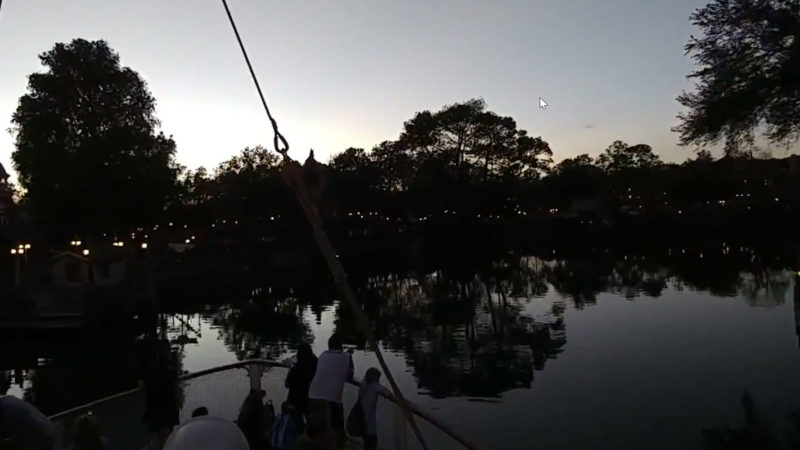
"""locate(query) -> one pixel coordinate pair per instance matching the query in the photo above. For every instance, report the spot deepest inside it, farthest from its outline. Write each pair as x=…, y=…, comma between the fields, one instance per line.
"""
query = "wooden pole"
x=433, y=420
x=293, y=176
x=797, y=306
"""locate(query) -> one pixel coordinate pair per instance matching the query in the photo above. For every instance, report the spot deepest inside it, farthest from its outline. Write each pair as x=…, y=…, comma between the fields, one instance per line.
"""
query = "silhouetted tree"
x=620, y=156
x=467, y=139
x=249, y=185
x=351, y=160
x=196, y=186
x=87, y=150
x=749, y=75
x=582, y=162
x=396, y=166
x=703, y=156
x=575, y=177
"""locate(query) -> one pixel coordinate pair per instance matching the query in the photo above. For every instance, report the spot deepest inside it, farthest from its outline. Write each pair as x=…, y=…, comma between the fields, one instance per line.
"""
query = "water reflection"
x=60, y=373
x=264, y=329
x=468, y=338
x=767, y=289
x=483, y=328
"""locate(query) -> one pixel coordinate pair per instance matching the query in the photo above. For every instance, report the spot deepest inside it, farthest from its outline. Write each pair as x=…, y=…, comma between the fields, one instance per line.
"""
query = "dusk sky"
x=349, y=73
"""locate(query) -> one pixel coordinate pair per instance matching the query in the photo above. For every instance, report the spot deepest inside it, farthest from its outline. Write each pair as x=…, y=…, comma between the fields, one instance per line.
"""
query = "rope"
x=291, y=169
x=292, y=173
x=278, y=136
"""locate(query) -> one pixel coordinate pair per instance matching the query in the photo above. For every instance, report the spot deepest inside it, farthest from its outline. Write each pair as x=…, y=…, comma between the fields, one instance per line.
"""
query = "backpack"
x=269, y=415
x=255, y=417
x=284, y=432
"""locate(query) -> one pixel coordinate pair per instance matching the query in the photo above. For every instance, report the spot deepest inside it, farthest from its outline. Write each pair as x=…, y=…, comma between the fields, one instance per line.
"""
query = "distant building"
x=70, y=269
x=105, y=268
x=108, y=266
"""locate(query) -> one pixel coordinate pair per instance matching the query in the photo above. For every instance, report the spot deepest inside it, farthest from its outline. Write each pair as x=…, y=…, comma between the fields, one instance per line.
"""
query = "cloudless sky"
x=349, y=73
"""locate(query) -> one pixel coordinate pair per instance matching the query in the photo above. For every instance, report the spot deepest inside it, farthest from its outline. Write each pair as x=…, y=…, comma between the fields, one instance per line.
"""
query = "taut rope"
x=294, y=179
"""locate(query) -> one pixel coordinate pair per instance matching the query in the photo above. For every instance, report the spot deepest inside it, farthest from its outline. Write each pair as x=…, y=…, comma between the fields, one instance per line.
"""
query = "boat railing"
x=222, y=389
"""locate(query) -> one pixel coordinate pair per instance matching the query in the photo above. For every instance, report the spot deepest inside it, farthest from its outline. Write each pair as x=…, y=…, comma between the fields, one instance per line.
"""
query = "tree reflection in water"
x=476, y=327
x=261, y=329
x=767, y=288
x=756, y=433
x=466, y=338
x=58, y=374
x=481, y=327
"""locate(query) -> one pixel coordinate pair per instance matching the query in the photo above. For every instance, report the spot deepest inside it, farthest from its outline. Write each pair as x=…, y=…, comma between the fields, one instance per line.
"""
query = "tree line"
x=451, y=164
x=90, y=156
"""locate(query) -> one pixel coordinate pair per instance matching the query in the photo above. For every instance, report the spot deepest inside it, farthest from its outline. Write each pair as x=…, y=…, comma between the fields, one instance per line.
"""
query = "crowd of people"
x=312, y=416
x=314, y=403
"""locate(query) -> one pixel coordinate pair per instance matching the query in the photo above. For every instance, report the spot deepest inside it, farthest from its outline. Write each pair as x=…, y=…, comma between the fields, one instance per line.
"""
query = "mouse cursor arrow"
x=542, y=103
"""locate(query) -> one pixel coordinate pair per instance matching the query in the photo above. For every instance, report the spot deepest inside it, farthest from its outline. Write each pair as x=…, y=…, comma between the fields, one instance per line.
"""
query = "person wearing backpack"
x=287, y=427
x=255, y=419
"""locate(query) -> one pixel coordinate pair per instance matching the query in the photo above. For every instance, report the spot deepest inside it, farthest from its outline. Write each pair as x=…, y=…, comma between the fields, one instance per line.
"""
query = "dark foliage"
x=748, y=75
x=87, y=150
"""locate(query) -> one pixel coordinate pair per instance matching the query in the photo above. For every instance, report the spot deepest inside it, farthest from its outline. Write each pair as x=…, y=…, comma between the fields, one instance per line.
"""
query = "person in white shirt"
x=326, y=412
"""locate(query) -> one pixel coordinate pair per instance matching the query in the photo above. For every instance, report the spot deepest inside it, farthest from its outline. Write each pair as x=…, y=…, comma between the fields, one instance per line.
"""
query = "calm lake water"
x=552, y=354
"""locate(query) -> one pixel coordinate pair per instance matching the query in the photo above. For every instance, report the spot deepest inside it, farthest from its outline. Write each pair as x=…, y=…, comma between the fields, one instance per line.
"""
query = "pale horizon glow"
x=350, y=73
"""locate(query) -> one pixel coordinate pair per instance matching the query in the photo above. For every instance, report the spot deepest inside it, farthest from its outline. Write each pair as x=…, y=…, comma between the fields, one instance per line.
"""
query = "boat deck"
x=222, y=391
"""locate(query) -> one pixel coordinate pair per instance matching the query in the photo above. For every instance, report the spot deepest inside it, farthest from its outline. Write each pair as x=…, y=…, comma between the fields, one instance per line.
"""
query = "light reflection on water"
x=579, y=359
x=650, y=372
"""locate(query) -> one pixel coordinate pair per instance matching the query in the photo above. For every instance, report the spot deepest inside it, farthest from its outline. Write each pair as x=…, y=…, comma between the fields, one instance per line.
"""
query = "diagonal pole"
x=292, y=173
x=295, y=180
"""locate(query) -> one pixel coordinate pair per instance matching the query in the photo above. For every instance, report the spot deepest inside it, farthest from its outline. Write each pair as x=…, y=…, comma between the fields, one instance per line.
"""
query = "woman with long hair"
x=299, y=378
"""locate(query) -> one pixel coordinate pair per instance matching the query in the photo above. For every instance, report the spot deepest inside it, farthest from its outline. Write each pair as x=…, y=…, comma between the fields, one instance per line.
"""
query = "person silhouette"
x=326, y=412
x=299, y=378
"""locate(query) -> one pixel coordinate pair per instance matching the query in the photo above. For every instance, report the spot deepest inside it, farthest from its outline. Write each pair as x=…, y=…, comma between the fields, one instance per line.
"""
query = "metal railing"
x=222, y=389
